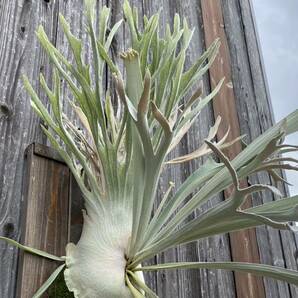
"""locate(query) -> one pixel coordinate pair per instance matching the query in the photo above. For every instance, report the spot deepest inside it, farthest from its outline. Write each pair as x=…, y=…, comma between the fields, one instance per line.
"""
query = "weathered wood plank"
x=255, y=116
x=243, y=243
x=44, y=218
x=19, y=126
x=287, y=239
x=213, y=283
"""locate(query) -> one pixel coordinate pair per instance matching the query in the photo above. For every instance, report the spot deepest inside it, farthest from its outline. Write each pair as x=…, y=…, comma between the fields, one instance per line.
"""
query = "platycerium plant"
x=118, y=156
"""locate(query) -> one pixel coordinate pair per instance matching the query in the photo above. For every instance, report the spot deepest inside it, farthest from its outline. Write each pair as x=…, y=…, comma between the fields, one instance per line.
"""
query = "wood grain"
x=19, y=126
x=244, y=245
x=255, y=116
x=44, y=218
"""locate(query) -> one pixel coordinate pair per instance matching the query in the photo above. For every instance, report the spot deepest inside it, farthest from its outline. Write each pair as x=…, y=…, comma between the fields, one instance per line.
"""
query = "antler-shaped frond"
x=225, y=216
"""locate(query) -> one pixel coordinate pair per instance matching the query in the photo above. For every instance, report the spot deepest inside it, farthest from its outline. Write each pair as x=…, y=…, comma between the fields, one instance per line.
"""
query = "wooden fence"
x=35, y=190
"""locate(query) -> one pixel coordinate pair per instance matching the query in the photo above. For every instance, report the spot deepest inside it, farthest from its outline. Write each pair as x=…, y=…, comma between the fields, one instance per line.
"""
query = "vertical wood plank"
x=286, y=240
x=44, y=218
x=254, y=106
x=243, y=243
x=212, y=283
x=20, y=54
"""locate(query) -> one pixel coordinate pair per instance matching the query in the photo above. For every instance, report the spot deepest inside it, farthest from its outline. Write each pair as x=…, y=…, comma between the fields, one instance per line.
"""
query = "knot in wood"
x=8, y=229
x=5, y=110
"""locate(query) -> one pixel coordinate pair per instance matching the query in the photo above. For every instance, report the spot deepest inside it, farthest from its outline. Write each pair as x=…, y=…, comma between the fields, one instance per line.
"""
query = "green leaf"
x=32, y=250
x=221, y=180
x=281, y=210
x=55, y=56
x=38, y=105
x=197, y=107
x=104, y=55
x=222, y=219
x=199, y=68
x=187, y=34
x=112, y=34
x=90, y=9
x=174, y=99
x=134, y=291
x=103, y=23
x=48, y=282
x=130, y=18
x=75, y=43
x=286, y=275
x=69, y=161
x=193, y=182
x=142, y=285
x=54, y=96
x=146, y=41
x=134, y=79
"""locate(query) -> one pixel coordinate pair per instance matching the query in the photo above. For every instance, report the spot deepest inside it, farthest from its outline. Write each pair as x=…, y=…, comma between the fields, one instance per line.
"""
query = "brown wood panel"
x=44, y=217
x=244, y=245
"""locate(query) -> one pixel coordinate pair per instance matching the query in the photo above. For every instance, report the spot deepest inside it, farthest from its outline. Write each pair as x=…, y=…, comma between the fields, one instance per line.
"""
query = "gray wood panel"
x=243, y=244
x=255, y=115
x=19, y=126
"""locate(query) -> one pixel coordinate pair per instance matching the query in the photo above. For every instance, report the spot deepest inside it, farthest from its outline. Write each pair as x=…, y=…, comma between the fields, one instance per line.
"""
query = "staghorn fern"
x=118, y=157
